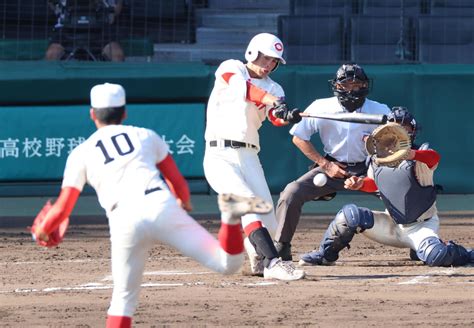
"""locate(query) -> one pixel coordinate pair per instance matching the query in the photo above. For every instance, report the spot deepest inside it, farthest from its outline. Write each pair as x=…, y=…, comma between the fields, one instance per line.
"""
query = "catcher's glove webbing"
x=40, y=235
x=389, y=144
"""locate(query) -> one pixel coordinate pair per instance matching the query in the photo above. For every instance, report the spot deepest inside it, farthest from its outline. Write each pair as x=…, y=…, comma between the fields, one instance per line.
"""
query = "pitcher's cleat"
x=238, y=206
x=313, y=258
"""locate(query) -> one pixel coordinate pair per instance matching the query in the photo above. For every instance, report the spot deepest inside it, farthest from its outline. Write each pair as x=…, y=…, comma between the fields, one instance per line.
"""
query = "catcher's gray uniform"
x=411, y=219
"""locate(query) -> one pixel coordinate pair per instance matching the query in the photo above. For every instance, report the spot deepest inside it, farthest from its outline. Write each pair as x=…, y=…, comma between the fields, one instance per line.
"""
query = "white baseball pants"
x=137, y=224
x=387, y=232
x=239, y=171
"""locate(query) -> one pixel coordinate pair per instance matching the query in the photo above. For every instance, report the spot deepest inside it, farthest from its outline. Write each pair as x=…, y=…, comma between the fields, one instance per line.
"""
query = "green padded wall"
x=441, y=97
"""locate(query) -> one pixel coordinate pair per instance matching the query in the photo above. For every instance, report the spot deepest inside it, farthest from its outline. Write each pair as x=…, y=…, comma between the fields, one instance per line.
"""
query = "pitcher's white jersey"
x=118, y=161
x=229, y=114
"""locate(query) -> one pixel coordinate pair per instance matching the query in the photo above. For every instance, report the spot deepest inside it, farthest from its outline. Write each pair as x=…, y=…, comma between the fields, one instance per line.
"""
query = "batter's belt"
x=230, y=143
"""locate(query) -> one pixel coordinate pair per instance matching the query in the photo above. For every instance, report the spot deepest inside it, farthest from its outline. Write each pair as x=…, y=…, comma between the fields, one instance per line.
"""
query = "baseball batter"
x=343, y=144
x=411, y=219
x=242, y=98
x=123, y=164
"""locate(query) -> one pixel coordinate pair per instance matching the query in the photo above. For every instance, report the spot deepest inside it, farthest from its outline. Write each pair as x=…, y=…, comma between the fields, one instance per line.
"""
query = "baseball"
x=320, y=179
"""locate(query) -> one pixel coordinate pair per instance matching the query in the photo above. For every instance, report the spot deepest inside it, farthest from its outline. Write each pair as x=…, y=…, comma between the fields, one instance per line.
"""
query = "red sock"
x=230, y=238
x=114, y=321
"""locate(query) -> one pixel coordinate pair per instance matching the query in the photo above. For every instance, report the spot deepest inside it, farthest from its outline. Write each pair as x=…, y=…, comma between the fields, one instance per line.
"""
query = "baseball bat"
x=350, y=117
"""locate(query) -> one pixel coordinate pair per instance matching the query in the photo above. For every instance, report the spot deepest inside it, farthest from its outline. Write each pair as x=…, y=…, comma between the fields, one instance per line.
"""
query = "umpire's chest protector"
x=405, y=199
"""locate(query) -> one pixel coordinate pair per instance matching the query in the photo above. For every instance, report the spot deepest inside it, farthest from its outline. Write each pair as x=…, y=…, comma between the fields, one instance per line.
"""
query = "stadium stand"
x=324, y=7
x=438, y=44
x=382, y=40
x=210, y=31
x=312, y=39
x=388, y=8
x=452, y=8
x=161, y=21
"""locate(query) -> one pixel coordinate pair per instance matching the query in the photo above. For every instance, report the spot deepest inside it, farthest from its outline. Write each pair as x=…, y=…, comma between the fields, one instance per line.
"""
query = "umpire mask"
x=350, y=86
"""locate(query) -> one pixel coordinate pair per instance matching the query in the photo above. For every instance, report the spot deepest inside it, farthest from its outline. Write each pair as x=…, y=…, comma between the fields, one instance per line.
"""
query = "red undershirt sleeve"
x=369, y=185
x=430, y=157
x=275, y=120
x=176, y=182
x=61, y=209
x=254, y=93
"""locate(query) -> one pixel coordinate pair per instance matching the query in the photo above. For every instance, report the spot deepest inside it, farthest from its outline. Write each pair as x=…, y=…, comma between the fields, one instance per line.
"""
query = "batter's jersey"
x=229, y=114
x=341, y=140
x=119, y=162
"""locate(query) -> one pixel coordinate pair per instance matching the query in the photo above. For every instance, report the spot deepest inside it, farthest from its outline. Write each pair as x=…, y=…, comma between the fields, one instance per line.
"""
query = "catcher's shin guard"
x=434, y=252
x=348, y=221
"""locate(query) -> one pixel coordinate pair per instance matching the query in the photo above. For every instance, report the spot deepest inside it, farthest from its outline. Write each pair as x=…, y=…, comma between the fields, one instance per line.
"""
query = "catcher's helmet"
x=402, y=116
x=266, y=43
x=348, y=98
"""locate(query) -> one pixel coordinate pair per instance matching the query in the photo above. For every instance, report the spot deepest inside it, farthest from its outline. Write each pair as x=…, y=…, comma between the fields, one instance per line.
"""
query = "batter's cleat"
x=256, y=261
x=313, y=258
x=238, y=206
x=284, y=250
x=283, y=270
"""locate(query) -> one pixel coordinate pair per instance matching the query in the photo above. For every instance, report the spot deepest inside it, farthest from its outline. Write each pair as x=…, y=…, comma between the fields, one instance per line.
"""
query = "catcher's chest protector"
x=404, y=198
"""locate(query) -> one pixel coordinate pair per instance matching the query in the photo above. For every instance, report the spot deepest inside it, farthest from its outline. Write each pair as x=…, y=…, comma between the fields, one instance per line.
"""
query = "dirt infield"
x=371, y=285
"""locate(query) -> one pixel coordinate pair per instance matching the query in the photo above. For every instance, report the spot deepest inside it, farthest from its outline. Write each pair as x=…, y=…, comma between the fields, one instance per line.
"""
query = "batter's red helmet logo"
x=278, y=46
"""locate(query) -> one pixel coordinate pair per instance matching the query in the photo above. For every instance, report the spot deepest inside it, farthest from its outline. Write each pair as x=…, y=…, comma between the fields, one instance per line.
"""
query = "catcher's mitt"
x=389, y=144
x=38, y=234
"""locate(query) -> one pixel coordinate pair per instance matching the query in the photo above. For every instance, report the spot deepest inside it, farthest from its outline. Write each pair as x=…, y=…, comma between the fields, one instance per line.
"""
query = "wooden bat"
x=350, y=117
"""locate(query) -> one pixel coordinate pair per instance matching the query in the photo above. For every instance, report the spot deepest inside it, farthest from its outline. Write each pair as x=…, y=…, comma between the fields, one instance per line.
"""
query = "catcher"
x=402, y=173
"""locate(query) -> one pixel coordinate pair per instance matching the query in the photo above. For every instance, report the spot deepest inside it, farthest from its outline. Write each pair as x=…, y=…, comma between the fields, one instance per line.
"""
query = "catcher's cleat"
x=239, y=205
x=283, y=270
x=313, y=258
x=413, y=255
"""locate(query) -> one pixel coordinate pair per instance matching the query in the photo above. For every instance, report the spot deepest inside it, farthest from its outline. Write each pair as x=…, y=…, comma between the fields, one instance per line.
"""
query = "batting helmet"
x=350, y=73
x=402, y=116
x=266, y=43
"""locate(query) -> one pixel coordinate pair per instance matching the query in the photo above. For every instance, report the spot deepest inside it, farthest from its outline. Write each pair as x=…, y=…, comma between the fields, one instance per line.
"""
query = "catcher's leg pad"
x=434, y=252
x=350, y=220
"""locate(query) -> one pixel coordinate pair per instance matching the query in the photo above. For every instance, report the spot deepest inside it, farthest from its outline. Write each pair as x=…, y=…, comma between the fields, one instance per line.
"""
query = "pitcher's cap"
x=107, y=95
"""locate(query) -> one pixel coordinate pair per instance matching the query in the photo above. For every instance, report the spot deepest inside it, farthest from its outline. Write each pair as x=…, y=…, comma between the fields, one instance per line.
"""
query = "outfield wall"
x=44, y=105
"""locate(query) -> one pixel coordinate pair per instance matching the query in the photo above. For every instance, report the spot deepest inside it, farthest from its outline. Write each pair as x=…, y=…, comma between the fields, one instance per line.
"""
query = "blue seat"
x=447, y=39
x=452, y=8
x=324, y=7
x=163, y=9
x=312, y=39
x=392, y=7
x=382, y=40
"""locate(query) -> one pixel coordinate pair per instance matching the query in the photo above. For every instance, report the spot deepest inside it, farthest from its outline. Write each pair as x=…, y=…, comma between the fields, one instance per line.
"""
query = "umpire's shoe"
x=314, y=258
x=283, y=270
x=239, y=205
x=284, y=250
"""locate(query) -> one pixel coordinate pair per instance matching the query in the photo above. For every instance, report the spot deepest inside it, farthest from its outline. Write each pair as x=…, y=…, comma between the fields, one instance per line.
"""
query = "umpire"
x=344, y=149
